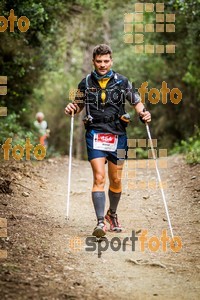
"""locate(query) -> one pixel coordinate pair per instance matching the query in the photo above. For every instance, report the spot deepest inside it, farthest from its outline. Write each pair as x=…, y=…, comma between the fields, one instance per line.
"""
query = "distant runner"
x=42, y=127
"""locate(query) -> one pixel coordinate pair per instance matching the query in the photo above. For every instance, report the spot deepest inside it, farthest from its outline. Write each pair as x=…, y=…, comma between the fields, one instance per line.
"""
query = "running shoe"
x=100, y=229
x=113, y=221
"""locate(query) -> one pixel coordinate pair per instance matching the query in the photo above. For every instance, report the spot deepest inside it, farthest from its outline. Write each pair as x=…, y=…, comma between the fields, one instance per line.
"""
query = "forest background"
x=45, y=64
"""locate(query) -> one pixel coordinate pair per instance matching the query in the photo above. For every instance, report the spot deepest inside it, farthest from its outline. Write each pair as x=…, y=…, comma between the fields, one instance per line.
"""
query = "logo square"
x=131, y=153
x=141, y=164
x=142, y=184
x=3, y=222
x=162, y=152
x=132, y=185
x=3, y=90
x=160, y=7
x=128, y=28
x=139, y=48
x=151, y=164
x=154, y=141
x=128, y=38
x=160, y=28
x=160, y=49
x=3, y=111
x=160, y=18
x=170, y=17
x=150, y=155
x=128, y=18
x=170, y=28
x=138, y=17
x=139, y=38
x=139, y=7
x=139, y=27
x=170, y=48
x=162, y=163
x=131, y=174
x=149, y=48
x=3, y=254
x=152, y=184
x=3, y=79
x=149, y=28
x=131, y=164
x=142, y=143
x=132, y=143
x=121, y=174
x=121, y=153
x=149, y=7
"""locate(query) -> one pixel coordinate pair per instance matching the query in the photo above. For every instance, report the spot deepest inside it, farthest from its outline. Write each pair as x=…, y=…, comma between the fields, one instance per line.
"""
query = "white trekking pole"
x=70, y=162
x=159, y=179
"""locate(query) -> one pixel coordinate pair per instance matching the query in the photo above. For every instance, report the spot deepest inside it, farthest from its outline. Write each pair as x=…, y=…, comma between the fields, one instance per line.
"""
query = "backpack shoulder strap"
x=122, y=80
x=87, y=80
x=87, y=88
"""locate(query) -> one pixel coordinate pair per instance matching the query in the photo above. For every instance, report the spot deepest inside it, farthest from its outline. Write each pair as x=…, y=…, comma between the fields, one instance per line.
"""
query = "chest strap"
x=106, y=119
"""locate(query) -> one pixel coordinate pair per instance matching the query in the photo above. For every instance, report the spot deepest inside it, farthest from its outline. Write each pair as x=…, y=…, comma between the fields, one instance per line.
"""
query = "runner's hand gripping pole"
x=159, y=179
x=70, y=163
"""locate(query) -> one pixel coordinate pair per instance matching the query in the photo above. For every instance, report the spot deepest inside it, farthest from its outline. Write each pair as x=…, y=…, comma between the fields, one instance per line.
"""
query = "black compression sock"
x=114, y=200
x=100, y=219
x=99, y=200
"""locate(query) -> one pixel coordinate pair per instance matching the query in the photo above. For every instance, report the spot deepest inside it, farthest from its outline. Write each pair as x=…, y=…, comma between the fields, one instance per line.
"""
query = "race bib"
x=105, y=141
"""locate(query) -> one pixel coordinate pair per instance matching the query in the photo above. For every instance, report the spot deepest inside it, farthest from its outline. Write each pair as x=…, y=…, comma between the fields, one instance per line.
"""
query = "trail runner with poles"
x=103, y=94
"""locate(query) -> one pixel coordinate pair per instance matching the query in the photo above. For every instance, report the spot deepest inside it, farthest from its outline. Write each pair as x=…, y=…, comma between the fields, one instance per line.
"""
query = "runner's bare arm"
x=145, y=115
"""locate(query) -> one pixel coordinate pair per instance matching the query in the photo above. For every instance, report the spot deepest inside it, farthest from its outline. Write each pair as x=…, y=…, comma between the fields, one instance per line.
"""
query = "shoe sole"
x=116, y=229
x=99, y=233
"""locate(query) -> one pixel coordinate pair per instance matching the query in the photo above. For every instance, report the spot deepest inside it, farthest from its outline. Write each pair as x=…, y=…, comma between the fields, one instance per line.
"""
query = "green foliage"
x=97, y=6
x=24, y=56
x=11, y=128
x=190, y=147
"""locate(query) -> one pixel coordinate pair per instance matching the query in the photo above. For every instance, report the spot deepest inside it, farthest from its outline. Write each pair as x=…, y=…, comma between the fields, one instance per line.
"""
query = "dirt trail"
x=47, y=257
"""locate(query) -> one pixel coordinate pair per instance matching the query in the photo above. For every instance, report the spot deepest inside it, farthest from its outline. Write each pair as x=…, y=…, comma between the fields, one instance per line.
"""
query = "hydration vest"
x=122, y=115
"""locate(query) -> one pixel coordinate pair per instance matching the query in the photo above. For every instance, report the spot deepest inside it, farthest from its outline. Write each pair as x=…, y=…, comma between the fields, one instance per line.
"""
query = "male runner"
x=103, y=94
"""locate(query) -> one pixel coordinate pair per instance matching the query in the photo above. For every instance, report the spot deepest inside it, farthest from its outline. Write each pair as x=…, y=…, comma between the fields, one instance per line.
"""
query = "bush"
x=11, y=128
x=190, y=147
